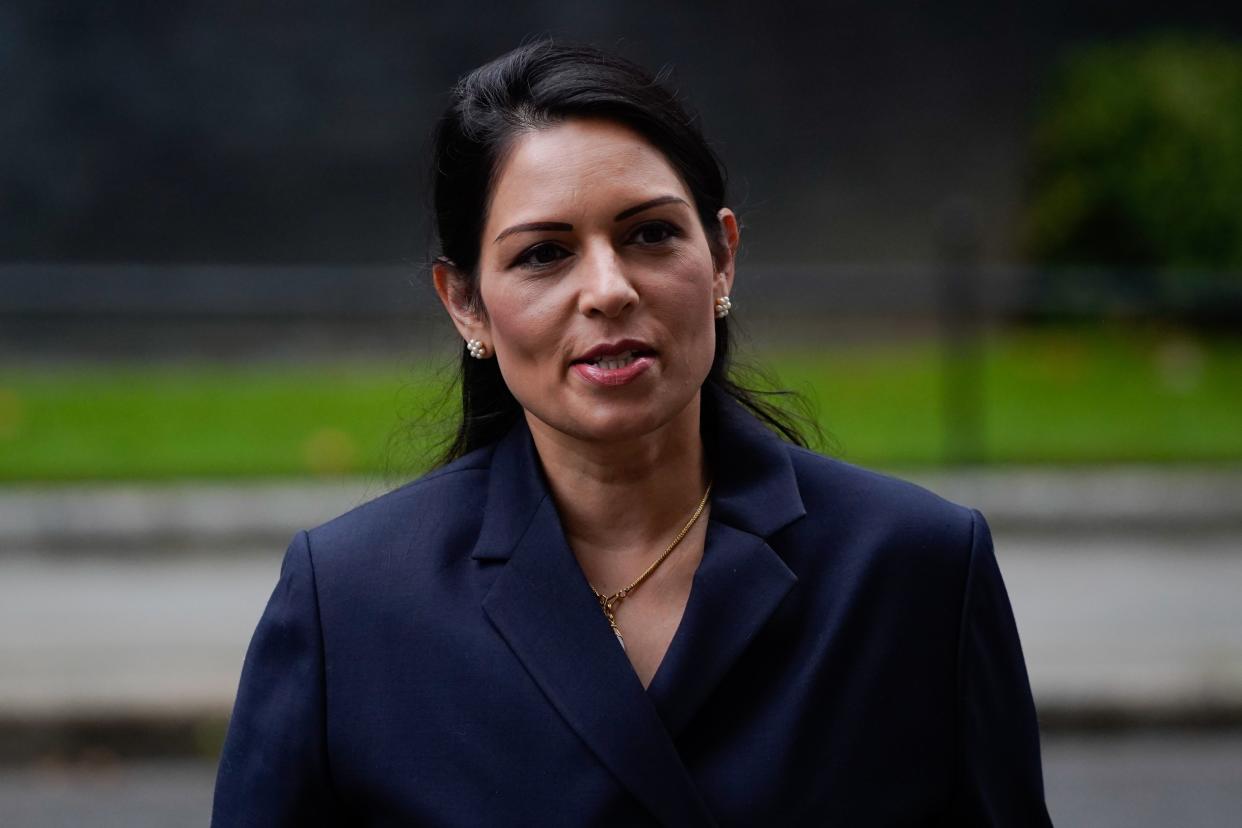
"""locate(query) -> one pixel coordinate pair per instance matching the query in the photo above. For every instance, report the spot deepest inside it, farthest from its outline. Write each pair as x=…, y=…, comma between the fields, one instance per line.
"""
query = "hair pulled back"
x=534, y=87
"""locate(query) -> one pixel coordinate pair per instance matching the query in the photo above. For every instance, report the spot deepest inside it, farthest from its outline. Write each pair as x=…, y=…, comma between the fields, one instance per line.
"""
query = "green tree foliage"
x=1137, y=158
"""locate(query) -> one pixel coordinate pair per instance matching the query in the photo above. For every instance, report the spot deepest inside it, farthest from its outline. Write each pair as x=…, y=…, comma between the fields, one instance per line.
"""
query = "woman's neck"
x=631, y=495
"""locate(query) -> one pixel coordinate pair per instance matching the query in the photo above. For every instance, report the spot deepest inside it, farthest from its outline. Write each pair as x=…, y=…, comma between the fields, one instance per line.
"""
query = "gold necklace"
x=608, y=603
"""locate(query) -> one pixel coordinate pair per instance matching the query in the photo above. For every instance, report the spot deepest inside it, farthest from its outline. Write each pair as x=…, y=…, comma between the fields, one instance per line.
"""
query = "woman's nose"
x=605, y=291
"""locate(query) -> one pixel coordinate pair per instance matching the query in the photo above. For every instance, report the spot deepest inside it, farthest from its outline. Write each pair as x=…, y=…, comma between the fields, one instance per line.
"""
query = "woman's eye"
x=654, y=233
x=542, y=255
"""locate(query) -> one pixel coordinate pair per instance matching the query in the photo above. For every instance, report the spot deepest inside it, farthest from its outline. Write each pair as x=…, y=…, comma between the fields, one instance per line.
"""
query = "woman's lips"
x=614, y=370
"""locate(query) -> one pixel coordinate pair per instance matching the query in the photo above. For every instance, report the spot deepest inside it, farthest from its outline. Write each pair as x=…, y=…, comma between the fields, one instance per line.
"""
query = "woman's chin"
x=621, y=421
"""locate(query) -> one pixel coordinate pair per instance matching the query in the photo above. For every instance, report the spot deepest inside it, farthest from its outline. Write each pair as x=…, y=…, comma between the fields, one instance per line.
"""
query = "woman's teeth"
x=612, y=363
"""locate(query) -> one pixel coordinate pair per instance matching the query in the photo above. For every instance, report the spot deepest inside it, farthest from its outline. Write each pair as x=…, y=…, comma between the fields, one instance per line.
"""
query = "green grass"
x=1047, y=397
x=204, y=421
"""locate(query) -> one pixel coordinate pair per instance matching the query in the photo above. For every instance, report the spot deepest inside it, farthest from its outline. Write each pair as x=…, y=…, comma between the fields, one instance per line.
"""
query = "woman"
x=625, y=599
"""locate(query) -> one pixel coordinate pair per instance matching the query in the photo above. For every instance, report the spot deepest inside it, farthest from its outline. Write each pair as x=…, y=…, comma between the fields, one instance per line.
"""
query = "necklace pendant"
x=620, y=638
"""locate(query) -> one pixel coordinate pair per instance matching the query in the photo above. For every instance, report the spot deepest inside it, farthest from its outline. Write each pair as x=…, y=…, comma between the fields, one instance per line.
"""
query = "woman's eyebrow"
x=647, y=205
x=544, y=226
x=560, y=226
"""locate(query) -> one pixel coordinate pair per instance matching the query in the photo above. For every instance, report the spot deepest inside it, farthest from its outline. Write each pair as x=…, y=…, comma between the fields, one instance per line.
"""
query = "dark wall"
x=236, y=131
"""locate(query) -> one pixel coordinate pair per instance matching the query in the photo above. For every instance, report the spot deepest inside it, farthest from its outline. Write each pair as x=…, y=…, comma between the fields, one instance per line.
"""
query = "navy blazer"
x=435, y=657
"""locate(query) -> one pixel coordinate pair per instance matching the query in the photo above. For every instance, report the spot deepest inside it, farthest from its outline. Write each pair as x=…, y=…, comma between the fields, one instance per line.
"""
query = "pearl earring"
x=723, y=305
x=476, y=348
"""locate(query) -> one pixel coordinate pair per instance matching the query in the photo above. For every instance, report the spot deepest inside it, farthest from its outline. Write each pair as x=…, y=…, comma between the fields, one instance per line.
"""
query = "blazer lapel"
x=542, y=605
x=741, y=580
x=738, y=586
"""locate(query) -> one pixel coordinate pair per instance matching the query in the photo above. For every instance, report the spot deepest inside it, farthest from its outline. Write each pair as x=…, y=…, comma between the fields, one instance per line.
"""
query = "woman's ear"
x=464, y=308
x=731, y=236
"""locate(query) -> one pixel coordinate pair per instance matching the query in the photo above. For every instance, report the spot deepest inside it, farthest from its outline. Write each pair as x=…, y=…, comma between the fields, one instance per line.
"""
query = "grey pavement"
x=1126, y=625
x=170, y=516
x=116, y=638
x=173, y=515
x=139, y=601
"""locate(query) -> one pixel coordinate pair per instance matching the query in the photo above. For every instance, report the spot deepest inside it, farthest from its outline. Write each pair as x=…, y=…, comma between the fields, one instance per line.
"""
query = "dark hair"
x=530, y=88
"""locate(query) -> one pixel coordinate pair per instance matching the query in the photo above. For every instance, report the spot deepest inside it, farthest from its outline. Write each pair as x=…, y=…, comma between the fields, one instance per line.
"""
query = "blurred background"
x=998, y=246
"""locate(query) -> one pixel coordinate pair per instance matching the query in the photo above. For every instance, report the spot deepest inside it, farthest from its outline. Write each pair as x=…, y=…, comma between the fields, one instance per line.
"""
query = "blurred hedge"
x=1137, y=157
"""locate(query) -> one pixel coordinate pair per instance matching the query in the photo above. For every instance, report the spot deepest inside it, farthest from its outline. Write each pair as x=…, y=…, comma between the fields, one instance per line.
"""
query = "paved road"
x=129, y=634
x=1142, y=780
x=1116, y=611
x=1137, y=623
x=1142, y=623
x=1137, y=781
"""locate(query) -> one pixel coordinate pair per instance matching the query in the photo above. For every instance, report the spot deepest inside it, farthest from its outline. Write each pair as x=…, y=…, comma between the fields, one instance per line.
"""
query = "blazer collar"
x=754, y=489
x=542, y=606
x=516, y=488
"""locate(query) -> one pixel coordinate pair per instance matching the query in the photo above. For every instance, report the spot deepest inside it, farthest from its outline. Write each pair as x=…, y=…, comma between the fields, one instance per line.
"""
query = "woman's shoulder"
x=437, y=505
x=887, y=512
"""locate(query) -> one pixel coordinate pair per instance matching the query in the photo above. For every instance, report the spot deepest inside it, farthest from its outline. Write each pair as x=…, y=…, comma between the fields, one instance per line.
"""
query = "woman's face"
x=597, y=281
